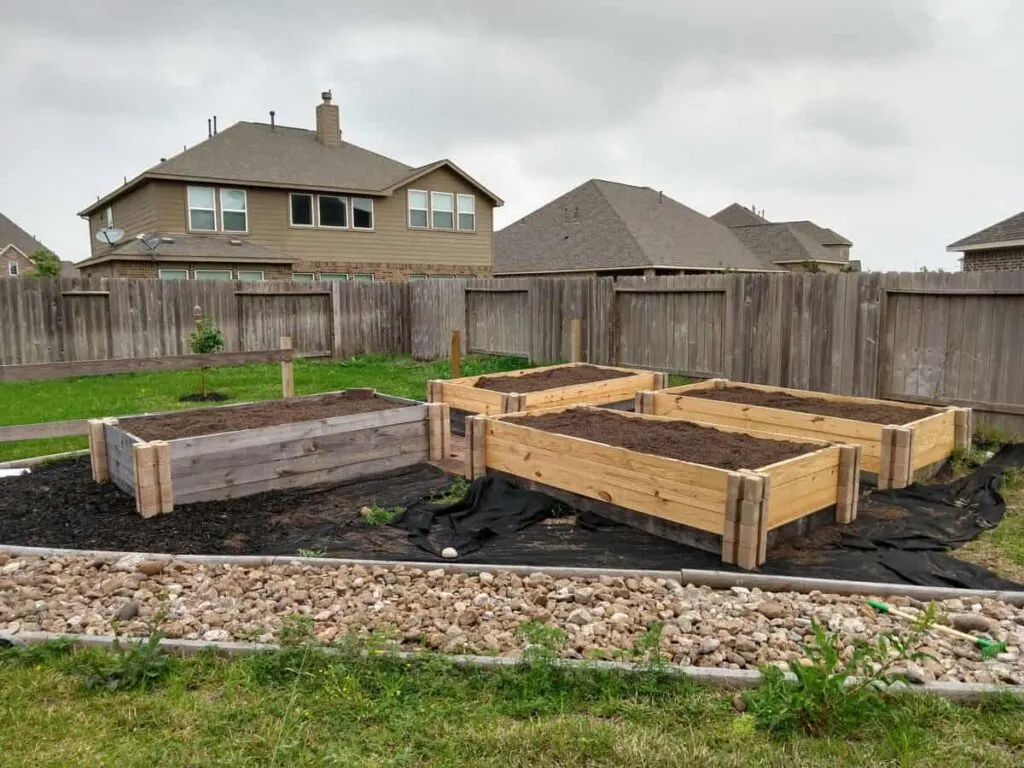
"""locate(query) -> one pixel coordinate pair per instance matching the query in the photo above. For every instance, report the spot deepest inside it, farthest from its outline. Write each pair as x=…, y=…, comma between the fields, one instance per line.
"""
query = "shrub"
x=206, y=339
x=137, y=665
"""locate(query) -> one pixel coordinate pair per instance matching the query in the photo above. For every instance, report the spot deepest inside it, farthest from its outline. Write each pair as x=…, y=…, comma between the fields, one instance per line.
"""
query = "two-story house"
x=261, y=201
x=16, y=246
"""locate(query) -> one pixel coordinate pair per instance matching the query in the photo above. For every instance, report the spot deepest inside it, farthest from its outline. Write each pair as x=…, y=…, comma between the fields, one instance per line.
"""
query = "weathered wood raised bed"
x=162, y=473
x=892, y=452
x=462, y=394
x=739, y=508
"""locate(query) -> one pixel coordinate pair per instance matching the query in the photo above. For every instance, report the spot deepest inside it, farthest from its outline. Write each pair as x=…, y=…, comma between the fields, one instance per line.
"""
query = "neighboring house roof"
x=1006, y=233
x=193, y=248
x=603, y=225
x=736, y=215
x=68, y=269
x=256, y=154
x=782, y=243
x=822, y=235
x=12, y=234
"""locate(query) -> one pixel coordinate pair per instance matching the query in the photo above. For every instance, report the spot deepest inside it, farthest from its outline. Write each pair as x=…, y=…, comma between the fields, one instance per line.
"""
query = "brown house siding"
x=134, y=212
x=391, y=243
x=997, y=260
x=146, y=269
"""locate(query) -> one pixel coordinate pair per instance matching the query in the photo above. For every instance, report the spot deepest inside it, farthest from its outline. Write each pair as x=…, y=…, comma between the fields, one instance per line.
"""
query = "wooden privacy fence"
x=946, y=339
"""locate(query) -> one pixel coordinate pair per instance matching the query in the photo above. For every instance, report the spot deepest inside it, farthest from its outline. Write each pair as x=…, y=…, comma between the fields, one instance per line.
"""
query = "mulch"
x=877, y=414
x=206, y=421
x=673, y=439
x=549, y=379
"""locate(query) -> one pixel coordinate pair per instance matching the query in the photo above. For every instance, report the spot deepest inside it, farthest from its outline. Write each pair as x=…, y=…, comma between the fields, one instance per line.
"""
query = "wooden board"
x=120, y=466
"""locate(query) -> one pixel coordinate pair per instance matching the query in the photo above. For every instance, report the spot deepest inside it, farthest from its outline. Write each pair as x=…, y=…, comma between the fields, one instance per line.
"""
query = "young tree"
x=206, y=339
x=47, y=265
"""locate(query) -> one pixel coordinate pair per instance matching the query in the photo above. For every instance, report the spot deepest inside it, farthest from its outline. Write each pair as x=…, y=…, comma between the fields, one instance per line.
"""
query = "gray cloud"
x=862, y=121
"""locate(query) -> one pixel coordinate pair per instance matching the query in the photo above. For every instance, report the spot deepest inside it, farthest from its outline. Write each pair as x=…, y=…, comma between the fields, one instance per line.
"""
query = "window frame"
x=339, y=277
x=319, y=218
x=409, y=209
x=363, y=277
x=417, y=277
x=13, y=268
x=262, y=275
x=310, y=275
x=189, y=207
x=109, y=215
x=244, y=210
x=312, y=210
x=352, y=214
x=458, y=212
x=160, y=273
x=197, y=272
x=451, y=196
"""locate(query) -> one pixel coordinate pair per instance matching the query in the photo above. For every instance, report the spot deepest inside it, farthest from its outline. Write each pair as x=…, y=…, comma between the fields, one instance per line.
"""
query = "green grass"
x=31, y=402
x=1001, y=549
x=301, y=707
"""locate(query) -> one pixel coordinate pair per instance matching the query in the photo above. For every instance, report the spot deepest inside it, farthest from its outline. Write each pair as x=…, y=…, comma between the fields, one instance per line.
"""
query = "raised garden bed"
x=733, y=484
x=896, y=439
x=545, y=387
x=239, y=450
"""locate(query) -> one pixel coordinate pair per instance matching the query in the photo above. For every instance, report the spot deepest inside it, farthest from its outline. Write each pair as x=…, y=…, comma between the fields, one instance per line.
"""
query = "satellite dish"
x=110, y=235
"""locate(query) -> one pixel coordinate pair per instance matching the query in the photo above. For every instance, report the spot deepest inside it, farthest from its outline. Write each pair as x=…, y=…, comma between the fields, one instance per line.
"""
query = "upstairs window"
x=302, y=210
x=333, y=211
x=252, y=275
x=303, y=277
x=213, y=274
x=362, y=213
x=333, y=276
x=467, y=213
x=172, y=274
x=442, y=209
x=418, y=214
x=202, y=212
x=110, y=216
x=12, y=268
x=233, y=217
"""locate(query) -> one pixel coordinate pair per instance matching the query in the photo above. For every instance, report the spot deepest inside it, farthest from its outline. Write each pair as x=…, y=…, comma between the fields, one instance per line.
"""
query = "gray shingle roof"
x=782, y=242
x=821, y=235
x=189, y=247
x=736, y=215
x=255, y=154
x=12, y=234
x=1010, y=229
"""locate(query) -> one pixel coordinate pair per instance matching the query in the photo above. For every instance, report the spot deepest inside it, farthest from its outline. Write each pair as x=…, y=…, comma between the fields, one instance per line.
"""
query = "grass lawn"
x=1001, y=549
x=31, y=402
x=301, y=707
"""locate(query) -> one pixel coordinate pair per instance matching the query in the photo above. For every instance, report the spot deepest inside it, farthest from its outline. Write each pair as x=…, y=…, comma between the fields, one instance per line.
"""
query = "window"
x=302, y=210
x=363, y=278
x=12, y=268
x=444, y=277
x=232, y=210
x=202, y=214
x=418, y=209
x=333, y=276
x=213, y=274
x=173, y=274
x=302, y=277
x=110, y=216
x=467, y=213
x=254, y=275
x=442, y=209
x=362, y=213
x=417, y=277
x=333, y=211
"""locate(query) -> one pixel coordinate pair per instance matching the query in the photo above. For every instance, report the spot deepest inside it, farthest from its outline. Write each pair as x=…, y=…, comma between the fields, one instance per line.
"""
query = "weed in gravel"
x=646, y=650
x=312, y=552
x=834, y=694
x=966, y=460
x=133, y=665
x=455, y=492
x=375, y=515
x=542, y=643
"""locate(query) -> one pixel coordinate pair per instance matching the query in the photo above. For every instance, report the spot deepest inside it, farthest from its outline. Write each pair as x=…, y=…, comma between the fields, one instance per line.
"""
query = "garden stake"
x=988, y=647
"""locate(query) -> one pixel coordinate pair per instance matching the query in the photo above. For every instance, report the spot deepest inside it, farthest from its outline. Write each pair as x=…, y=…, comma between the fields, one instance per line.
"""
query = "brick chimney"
x=328, y=123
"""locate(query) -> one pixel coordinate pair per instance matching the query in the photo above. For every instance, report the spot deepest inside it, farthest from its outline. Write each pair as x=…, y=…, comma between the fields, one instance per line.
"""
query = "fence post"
x=575, y=341
x=456, y=353
x=287, y=374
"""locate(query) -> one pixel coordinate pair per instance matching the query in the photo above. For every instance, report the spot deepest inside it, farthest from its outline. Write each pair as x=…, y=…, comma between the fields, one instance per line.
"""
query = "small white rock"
x=619, y=618
x=710, y=644
x=129, y=563
x=449, y=553
x=216, y=635
x=485, y=577
x=13, y=566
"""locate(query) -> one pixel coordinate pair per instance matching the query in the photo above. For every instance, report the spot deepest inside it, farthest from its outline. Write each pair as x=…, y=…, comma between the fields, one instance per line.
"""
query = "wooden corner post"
x=456, y=353
x=745, y=533
x=98, y=451
x=660, y=381
x=513, y=402
x=643, y=402
x=152, y=467
x=476, y=456
x=439, y=431
x=434, y=394
x=849, y=483
x=575, y=340
x=962, y=428
x=287, y=373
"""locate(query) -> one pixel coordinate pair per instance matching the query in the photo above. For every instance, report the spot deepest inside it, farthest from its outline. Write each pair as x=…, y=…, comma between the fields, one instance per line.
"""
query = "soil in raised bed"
x=207, y=421
x=673, y=439
x=549, y=379
x=871, y=412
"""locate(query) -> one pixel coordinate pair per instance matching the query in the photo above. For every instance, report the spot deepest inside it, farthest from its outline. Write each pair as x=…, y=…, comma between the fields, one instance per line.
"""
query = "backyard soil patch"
x=549, y=379
x=209, y=397
x=673, y=439
x=203, y=421
x=877, y=414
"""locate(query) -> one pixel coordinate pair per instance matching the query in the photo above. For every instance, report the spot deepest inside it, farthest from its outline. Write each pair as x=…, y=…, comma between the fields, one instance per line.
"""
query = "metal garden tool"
x=988, y=647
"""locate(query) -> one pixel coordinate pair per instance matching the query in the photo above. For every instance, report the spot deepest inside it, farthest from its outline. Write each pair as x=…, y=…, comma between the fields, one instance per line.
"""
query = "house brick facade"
x=995, y=260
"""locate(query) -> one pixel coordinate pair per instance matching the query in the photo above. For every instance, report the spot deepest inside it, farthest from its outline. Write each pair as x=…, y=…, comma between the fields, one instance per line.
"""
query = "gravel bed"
x=735, y=629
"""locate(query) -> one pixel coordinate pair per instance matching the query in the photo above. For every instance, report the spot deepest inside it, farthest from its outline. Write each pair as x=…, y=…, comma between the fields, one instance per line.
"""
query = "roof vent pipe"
x=271, y=119
x=209, y=128
x=214, y=125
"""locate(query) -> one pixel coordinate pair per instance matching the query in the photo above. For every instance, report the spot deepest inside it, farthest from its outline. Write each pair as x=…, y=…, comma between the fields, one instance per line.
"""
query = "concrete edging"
x=714, y=579
x=732, y=679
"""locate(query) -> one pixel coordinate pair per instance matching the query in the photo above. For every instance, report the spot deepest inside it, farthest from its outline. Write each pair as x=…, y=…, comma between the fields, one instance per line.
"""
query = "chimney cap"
x=326, y=96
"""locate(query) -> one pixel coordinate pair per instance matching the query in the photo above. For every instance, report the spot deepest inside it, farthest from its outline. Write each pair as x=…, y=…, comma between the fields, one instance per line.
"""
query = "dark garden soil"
x=206, y=421
x=549, y=379
x=674, y=439
x=877, y=414
x=209, y=397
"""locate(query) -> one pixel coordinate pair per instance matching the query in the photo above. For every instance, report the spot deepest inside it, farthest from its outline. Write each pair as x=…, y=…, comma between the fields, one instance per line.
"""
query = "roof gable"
x=736, y=215
x=12, y=234
x=1006, y=231
x=782, y=243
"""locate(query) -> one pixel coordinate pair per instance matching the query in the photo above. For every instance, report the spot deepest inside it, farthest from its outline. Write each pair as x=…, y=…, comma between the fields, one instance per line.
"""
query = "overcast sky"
x=898, y=123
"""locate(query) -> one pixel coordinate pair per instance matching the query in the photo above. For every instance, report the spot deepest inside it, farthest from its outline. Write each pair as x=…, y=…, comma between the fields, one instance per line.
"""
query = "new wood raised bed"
x=739, y=507
x=230, y=464
x=464, y=395
x=892, y=452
